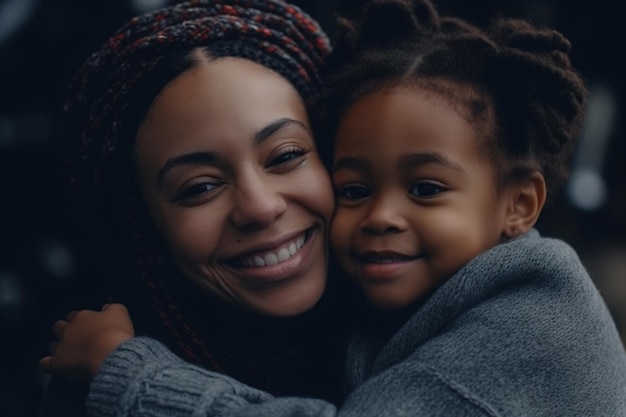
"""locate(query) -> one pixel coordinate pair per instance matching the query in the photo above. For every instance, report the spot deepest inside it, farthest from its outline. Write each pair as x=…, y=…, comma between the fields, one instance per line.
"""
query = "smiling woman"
x=227, y=165
x=191, y=152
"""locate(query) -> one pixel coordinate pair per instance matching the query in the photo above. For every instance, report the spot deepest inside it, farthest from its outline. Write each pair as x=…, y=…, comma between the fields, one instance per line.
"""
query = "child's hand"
x=84, y=340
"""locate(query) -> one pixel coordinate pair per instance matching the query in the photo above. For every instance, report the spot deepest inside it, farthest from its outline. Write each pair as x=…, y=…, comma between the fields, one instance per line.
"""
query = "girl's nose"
x=383, y=217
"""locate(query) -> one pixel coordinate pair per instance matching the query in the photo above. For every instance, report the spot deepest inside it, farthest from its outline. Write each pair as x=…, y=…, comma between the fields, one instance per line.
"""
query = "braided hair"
x=518, y=71
x=108, y=98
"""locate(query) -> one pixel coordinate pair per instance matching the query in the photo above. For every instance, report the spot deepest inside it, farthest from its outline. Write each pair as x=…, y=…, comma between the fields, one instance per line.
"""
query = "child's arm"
x=139, y=376
x=85, y=338
x=145, y=373
x=144, y=378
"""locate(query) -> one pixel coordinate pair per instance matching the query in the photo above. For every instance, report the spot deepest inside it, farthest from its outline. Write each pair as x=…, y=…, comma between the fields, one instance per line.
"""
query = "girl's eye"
x=288, y=155
x=353, y=192
x=426, y=189
x=196, y=191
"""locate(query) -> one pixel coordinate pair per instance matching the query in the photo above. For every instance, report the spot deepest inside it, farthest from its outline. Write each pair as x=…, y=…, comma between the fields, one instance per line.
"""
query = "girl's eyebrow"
x=209, y=158
x=407, y=161
x=414, y=160
x=352, y=163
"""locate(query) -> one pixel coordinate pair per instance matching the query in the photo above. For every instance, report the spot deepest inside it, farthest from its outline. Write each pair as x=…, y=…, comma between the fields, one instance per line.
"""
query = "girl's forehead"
x=390, y=124
x=402, y=111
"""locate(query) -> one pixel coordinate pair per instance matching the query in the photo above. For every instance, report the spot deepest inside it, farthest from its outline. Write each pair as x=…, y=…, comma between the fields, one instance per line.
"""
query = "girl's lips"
x=384, y=265
x=384, y=257
x=385, y=271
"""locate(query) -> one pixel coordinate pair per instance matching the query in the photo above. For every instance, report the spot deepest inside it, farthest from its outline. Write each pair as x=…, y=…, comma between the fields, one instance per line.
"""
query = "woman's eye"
x=288, y=155
x=426, y=189
x=196, y=191
x=353, y=192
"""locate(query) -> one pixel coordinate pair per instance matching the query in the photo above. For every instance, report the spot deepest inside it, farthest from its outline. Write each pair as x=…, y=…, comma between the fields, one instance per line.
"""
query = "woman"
x=191, y=151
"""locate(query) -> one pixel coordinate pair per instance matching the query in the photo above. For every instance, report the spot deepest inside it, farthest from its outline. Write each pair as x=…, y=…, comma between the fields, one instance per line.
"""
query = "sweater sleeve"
x=143, y=378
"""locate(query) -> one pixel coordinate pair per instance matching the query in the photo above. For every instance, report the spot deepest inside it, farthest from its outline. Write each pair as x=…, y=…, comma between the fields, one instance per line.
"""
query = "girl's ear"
x=525, y=205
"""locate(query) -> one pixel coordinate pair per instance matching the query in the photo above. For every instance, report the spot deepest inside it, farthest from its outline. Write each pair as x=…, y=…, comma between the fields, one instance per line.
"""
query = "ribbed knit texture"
x=519, y=331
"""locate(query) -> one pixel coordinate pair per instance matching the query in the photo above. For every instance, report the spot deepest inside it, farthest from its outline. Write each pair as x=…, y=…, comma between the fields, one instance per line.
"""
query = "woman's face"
x=228, y=168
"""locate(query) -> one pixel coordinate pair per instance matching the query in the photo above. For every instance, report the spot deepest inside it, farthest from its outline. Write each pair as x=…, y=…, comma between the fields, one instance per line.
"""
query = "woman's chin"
x=291, y=301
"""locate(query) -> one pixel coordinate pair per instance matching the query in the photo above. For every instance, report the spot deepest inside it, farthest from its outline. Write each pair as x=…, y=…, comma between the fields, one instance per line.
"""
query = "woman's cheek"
x=192, y=234
x=319, y=189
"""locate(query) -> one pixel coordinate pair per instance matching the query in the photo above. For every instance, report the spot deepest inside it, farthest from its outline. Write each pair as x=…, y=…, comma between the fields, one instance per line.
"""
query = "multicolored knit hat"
x=271, y=32
x=108, y=97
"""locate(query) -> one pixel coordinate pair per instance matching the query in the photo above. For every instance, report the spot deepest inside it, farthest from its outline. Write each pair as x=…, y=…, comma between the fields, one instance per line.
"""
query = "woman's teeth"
x=279, y=255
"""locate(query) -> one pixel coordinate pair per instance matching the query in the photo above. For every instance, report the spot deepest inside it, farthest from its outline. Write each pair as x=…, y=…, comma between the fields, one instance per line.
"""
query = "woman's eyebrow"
x=274, y=127
x=193, y=158
x=208, y=158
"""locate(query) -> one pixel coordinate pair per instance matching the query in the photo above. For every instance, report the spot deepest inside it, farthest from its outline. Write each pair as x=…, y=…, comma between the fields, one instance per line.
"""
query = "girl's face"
x=228, y=168
x=416, y=199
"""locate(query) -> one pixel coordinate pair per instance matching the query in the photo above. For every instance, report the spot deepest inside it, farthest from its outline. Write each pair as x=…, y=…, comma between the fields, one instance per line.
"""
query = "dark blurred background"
x=43, y=270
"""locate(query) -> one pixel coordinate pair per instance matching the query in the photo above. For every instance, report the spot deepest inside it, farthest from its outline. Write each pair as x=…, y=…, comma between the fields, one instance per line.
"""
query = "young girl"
x=448, y=141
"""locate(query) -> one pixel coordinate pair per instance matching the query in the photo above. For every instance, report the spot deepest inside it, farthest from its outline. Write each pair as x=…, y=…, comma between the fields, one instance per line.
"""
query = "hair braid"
x=523, y=71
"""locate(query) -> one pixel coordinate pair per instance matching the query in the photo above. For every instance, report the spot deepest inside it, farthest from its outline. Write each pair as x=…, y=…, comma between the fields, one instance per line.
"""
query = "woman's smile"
x=284, y=261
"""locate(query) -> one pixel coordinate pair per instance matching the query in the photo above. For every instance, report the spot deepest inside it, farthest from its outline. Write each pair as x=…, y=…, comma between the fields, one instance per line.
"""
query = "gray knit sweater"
x=519, y=331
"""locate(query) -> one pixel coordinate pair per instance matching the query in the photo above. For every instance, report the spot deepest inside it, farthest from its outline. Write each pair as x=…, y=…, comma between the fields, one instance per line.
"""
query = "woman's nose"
x=259, y=202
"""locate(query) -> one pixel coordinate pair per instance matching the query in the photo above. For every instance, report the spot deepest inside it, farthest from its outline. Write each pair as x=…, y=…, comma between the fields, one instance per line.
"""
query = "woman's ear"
x=525, y=205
